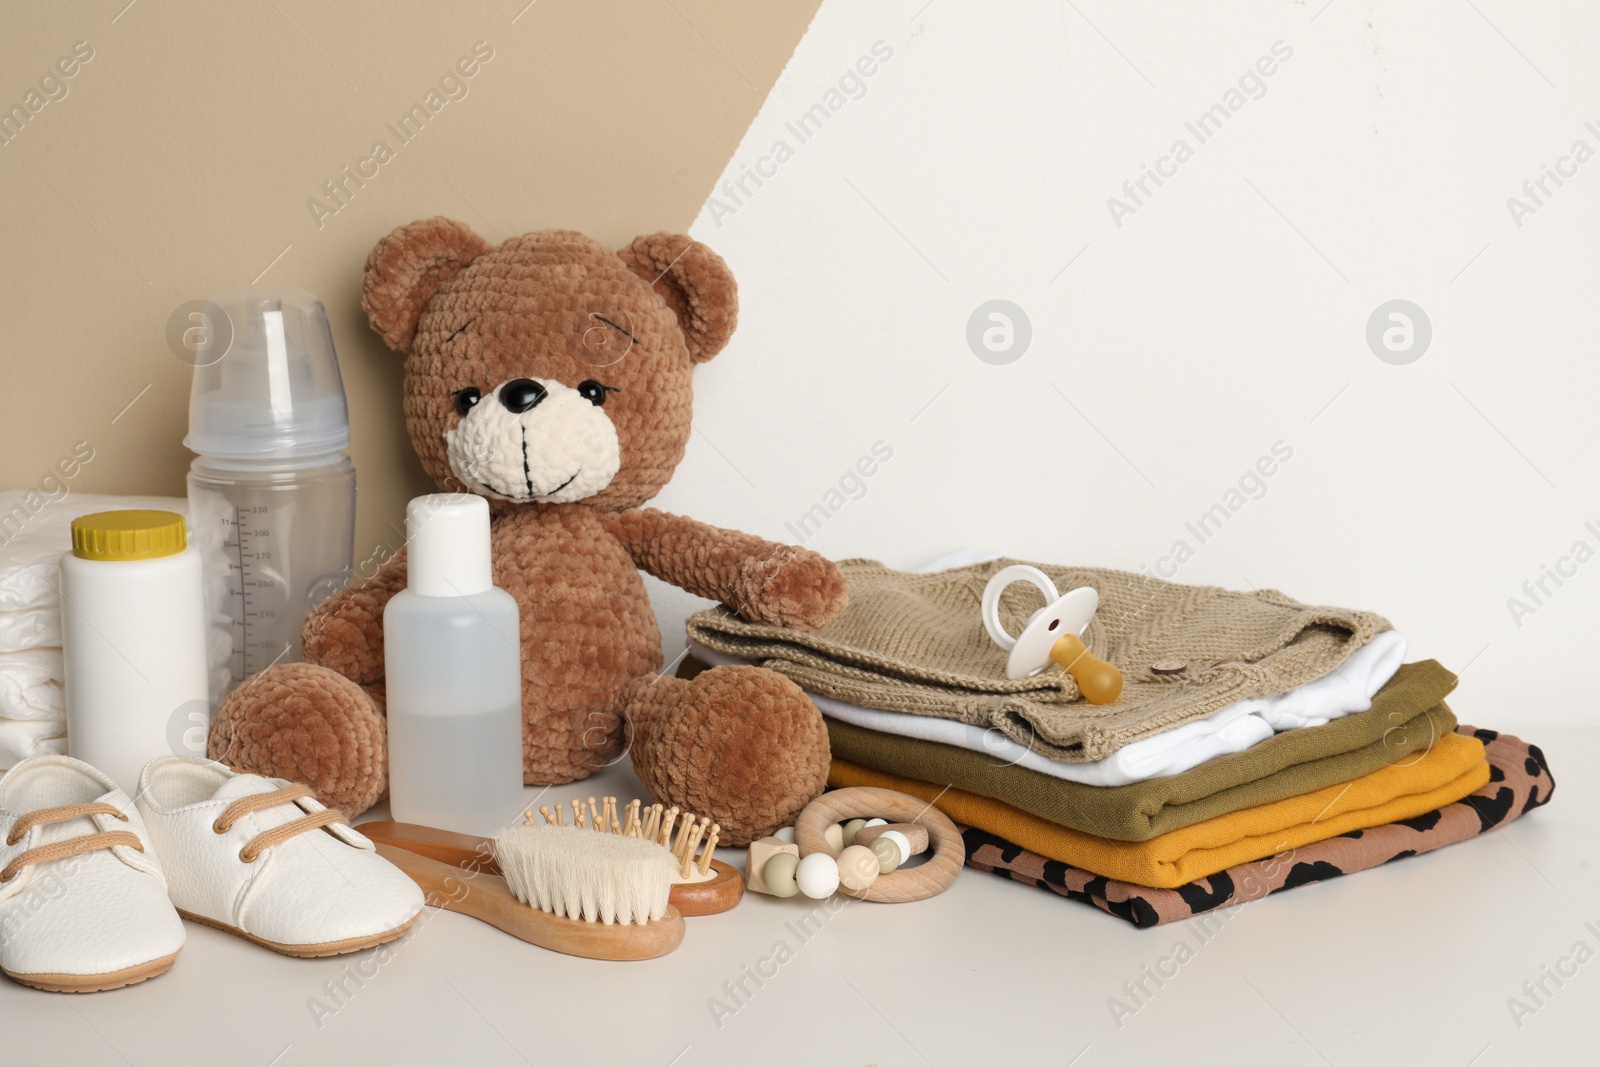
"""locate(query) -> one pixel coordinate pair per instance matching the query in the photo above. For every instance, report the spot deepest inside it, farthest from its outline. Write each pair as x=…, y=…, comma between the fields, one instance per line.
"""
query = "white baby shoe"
x=83, y=903
x=261, y=858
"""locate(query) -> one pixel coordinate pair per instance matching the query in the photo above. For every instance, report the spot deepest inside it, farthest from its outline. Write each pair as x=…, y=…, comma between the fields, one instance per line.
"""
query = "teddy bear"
x=551, y=375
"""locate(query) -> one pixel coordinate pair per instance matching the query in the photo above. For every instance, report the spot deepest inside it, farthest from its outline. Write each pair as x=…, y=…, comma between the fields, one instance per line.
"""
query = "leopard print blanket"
x=1519, y=781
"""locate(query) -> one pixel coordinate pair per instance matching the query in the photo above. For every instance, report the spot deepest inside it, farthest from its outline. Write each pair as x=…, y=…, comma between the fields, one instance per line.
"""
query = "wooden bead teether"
x=916, y=834
x=899, y=886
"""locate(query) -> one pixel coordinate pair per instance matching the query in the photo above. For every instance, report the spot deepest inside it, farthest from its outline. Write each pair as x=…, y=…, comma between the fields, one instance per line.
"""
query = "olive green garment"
x=1406, y=717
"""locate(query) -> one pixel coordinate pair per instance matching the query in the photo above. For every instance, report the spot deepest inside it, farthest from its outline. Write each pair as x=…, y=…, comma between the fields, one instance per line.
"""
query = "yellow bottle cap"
x=128, y=535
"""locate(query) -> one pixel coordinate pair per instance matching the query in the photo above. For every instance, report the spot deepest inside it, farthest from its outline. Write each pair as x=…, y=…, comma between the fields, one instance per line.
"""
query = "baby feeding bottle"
x=272, y=496
x=452, y=650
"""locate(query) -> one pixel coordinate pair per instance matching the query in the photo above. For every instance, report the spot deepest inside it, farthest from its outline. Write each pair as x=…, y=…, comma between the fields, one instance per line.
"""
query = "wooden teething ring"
x=863, y=802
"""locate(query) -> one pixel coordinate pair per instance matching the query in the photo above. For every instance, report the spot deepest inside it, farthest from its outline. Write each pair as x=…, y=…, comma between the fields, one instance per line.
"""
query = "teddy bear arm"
x=345, y=631
x=779, y=585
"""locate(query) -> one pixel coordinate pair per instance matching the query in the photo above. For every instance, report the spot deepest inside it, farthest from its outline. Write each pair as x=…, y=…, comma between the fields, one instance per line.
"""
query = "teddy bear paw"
x=739, y=744
x=794, y=587
x=310, y=725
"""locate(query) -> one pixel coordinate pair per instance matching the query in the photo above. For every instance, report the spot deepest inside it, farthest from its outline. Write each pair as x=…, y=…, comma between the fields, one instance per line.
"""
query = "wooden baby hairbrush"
x=702, y=884
x=599, y=896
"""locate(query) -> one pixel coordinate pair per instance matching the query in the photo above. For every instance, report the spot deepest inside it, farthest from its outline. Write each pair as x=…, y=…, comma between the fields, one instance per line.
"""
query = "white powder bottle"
x=133, y=640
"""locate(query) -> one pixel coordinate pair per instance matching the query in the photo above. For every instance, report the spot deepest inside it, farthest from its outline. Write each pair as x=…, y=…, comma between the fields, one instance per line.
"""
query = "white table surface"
x=1412, y=963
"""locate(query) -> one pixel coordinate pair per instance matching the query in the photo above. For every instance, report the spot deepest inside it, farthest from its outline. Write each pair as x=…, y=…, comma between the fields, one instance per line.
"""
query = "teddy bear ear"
x=407, y=267
x=695, y=282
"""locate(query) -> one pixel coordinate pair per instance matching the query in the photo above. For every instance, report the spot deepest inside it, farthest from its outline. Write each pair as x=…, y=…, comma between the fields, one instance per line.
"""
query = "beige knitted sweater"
x=916, y=643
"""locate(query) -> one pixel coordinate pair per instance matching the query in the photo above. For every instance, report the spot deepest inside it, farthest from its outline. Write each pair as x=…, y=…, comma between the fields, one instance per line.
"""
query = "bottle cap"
x=127, y=535
x=275, y=391
x=447, y=545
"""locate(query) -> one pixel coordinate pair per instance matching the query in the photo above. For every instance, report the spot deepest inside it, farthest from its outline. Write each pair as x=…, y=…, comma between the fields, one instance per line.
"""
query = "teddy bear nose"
x=521, y=394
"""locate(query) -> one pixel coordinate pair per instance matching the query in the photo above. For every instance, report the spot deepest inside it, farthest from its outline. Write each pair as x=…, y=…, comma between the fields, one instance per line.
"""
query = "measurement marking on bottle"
x=242, y=641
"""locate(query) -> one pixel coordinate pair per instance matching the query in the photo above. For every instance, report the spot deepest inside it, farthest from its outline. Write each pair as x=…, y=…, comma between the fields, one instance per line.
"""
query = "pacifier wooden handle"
x=1054, y=633
x=1098, y=681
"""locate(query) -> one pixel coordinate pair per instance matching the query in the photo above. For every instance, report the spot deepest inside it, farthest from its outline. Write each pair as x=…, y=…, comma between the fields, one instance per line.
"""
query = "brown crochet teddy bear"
x=551, y=375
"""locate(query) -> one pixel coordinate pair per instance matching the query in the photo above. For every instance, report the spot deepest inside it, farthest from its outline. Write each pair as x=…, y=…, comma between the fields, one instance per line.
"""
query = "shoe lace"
x=278, y=834
x=72, y=846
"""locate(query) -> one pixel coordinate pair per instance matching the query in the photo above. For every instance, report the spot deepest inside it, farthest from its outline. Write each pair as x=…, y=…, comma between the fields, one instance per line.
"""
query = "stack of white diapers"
x=35, y=531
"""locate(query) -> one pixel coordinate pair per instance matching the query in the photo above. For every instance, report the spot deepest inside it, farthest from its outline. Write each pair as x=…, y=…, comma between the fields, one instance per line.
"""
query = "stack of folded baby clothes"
x=1278, y=744
x=35, y=531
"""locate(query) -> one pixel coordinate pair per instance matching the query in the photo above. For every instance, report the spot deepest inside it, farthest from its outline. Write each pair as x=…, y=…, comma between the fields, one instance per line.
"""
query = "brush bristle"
x=581, y=874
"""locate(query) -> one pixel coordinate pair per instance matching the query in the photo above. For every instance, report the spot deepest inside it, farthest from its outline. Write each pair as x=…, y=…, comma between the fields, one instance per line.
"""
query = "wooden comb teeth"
x=696, y=839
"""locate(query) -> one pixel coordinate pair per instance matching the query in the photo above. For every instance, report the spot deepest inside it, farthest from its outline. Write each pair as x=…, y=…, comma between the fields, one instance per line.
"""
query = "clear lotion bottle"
x=453, y=675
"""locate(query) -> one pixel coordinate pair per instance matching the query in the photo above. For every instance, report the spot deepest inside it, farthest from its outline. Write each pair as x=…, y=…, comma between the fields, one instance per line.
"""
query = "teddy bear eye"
x=467, y=398
x=594, y=392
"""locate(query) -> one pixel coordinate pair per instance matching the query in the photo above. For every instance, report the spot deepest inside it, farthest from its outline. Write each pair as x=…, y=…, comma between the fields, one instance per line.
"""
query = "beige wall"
x=181, y=158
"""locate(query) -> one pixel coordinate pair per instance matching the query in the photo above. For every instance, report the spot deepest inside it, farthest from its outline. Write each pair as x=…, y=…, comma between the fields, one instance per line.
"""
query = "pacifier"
x=1054, y=634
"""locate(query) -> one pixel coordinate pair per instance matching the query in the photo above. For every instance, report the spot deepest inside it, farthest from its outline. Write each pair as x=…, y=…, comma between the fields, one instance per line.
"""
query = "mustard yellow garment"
x=1452, y=769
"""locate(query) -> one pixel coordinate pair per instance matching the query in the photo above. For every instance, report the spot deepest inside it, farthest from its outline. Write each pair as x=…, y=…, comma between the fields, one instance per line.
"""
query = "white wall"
x=1226, y=314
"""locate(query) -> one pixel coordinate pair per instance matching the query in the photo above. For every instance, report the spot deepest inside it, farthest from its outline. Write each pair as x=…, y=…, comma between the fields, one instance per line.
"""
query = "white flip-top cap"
x=447, y=545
